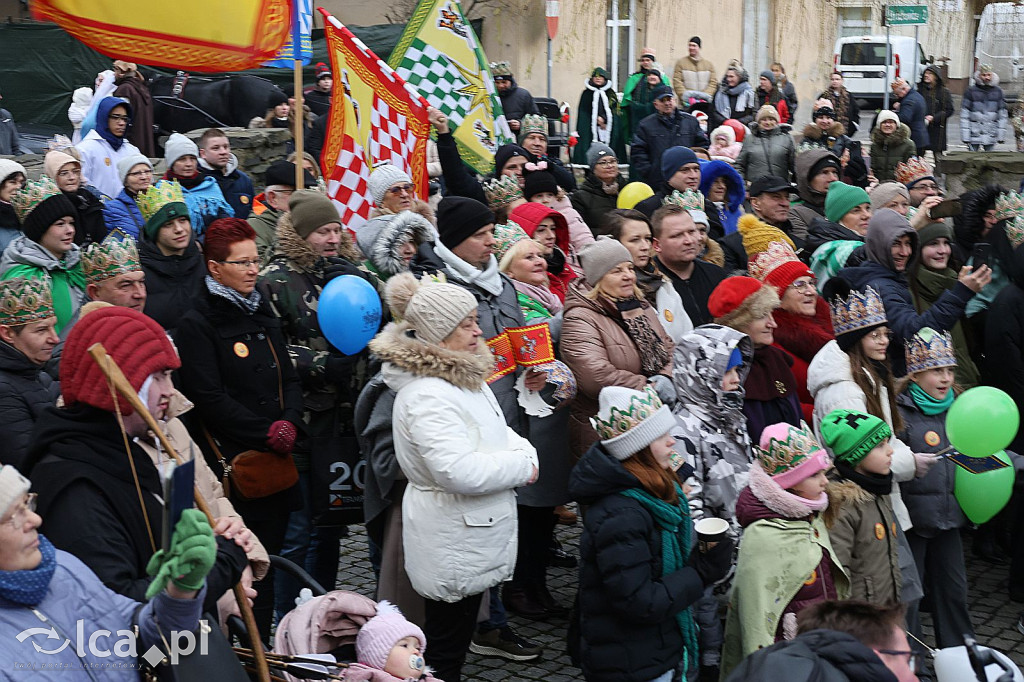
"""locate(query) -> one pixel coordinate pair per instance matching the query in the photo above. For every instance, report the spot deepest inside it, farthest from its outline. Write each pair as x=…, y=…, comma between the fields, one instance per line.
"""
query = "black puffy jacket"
x=25, y=391
x=627, y=607
x=173, y=283
x=815, y=656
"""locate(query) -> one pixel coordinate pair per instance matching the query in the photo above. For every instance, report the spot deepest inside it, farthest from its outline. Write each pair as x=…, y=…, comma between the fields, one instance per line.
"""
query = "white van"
x=861, y=60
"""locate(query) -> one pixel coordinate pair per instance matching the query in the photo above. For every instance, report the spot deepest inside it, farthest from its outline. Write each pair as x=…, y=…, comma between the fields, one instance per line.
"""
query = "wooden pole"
x=121, y=383
x=300, y=121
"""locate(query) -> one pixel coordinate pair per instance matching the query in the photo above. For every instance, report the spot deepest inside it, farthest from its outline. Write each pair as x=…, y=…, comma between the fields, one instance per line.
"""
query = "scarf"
x=927, y=404
x=803, y=336
x=28, y=587
x=653, y=354
x=598, y=104
x=770, y=375
x=248, y=304
x=542, y=295
x=876, y=484
x=488, y=279
x=722, y=104
x=674, y=522
x=186, y=182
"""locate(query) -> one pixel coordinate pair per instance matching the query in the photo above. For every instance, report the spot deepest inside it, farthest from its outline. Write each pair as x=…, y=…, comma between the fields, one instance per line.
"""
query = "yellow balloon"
x=632, y=194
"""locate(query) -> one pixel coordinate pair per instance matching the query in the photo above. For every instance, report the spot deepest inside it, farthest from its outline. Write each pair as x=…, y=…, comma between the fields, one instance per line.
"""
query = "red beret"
x=730, y=295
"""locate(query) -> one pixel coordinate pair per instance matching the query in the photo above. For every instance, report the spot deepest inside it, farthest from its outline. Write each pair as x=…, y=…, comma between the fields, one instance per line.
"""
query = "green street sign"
x=906, y=15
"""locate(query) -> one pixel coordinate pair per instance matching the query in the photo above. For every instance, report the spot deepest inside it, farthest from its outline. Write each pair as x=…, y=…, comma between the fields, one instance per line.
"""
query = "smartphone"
x=854, y=148
x=178, y=496
x=945, y=209
x=981, y=254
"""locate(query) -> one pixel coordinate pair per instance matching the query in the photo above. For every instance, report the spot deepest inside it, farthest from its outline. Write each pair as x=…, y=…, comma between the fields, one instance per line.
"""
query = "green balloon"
x=982, y=421
x=981, y=496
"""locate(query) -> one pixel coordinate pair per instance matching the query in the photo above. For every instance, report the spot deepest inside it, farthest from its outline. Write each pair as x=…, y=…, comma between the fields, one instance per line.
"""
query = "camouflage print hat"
x=25, y=300
x=501, y=70
x=110, y=258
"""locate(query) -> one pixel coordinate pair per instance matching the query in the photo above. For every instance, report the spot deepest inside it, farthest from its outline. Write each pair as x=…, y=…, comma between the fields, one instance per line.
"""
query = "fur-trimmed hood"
x=899, y=136
x=767, y=500
x=407, y=357
x=381, y=237
x=300, y=253
x=814, y=133
x=735, y=189
x=843, y=492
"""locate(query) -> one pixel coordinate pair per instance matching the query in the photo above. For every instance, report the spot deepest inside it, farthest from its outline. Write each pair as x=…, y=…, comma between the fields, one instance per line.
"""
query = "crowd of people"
x=761, y=331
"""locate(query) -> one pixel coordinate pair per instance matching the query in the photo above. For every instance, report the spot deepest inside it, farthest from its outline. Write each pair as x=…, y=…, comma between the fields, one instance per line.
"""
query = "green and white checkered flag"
x=436, y=78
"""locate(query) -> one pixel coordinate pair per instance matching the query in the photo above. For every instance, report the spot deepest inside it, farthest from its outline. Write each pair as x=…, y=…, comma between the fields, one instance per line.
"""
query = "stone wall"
x=970, y=170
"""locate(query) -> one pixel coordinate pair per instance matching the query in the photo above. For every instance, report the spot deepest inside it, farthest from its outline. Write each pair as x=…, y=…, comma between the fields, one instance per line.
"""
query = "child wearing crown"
x=786, y=560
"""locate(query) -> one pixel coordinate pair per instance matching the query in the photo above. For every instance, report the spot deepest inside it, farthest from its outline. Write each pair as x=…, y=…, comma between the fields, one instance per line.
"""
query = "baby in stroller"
x=389, y=649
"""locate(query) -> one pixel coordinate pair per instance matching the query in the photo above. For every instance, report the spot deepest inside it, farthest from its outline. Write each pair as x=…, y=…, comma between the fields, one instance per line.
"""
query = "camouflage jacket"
x=265, y=225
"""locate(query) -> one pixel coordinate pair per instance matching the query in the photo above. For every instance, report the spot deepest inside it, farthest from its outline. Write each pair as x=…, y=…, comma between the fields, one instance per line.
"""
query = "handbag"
x=255, y=474
x=212, y=657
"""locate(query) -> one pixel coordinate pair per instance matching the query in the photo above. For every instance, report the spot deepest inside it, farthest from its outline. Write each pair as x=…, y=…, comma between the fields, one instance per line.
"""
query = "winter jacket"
x=862, y=528
x=775, y=99
x=133, y=88
x=1004, y=338
x=76, y=597
x=837, y=142
x=173, y=283
x=25, y=391
x=889, y=150
x=205, y=204
x=25, y=258
x=694, y=74
x=10, y=226
x=801, y=338
x=382, y=236
x=695, y=291
x=580, y=234
x=627, y=607
x=939, y=105
x=930, y=500
x=832, y=247
x=927, y=287
x=265, y=226
x=593, y=203
x=10, y=142
x=597, y=102
x=81, y=102
x=738, y=102
x=830, y=382
x=600, y=353
x=789, y=92
x=912, y=111
x=767, y=152
x=770, y=390
x=656, y=134
x=711, y=430
x=660, y=293
x=811, y=204
x=735, y=193
x=846, y=108
x=99, y=158
x=123, y=217
x=815, y=656
x=91, y=506
x=462, y=462
x=235, y=186
x=983, y=113
x=517, y=102
x=786, y=563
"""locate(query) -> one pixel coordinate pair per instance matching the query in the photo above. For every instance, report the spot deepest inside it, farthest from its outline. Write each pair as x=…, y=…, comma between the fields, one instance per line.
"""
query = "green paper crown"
x=502, y=191
x=533, y=123
x=1009, y=205
x=110, y=258
x=689, y=199
x=25, y=300
x=159, y=195
x=505, y=236
x=641, y=408
x=782, y=455
x=1015, y=231
x=32, y=194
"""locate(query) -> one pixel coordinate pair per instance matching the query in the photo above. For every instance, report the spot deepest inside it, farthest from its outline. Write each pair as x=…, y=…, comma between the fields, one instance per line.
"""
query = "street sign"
x=906, y=15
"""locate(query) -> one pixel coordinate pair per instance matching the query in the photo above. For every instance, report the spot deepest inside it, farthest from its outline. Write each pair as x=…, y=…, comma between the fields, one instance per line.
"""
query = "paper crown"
x=689, y=199
x=807, y=146
x=533, y=123
x=25, y=300
x=1009, y=205
x=501, y=69
x=502, y=191
x=782, y=455
x=32, y=194
x=505, y=235
x=777, y=253
x=857, y=312
x=159, y=195
x=59, y=143
x=641, y=408
x=914, y=169
x=928, y=349
x=110, y=258
x=1015, y=231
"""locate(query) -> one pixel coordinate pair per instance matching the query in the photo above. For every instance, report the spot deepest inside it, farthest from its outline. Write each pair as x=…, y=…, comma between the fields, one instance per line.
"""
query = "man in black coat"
x=666, y=128
x=678, y=241
x=911, y=108
x=681, y=169
x=516, y=102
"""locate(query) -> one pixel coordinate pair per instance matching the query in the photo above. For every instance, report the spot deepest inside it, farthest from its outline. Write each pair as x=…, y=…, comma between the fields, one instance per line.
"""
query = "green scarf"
x=931, y=284
x=674, y=521
x=62, y=283
x=927, y=404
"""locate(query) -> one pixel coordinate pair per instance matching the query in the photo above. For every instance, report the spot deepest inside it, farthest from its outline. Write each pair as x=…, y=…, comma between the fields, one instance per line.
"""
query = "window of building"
x=854, y=21
x=621, y=41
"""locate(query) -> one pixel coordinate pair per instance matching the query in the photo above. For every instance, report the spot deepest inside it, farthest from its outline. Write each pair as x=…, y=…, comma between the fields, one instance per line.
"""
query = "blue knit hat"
x=674, y=159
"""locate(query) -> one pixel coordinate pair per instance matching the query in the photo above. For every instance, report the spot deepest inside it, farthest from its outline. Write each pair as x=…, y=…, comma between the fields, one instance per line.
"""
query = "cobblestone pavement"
x=993, y=614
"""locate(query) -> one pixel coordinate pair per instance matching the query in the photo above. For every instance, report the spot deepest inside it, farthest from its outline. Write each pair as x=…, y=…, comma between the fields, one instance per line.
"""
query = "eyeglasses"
x=913, y=658
x=73, y=173
x=140, y=173
x=120, y=117
x=802, y=285
x=243, y=264
x=927, y=186
x=398, y=189
x=878, y=335
x=17, y=519
x=607, y=162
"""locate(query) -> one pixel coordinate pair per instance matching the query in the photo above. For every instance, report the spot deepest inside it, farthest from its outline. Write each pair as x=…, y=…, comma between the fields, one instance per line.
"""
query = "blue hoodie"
x=103, y=113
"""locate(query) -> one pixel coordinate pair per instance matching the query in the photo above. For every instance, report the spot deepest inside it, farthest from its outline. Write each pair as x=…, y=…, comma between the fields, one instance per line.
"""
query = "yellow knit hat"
x=757, y=235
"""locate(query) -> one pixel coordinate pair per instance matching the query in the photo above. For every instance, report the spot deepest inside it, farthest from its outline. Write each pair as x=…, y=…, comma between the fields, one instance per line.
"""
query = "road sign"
x=906, y=15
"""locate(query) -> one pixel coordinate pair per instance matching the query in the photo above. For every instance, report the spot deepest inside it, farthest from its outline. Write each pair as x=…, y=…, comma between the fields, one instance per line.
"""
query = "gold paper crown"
x=777, y=253
x=506, y=235
x=914, y=169
x=1015, y=231
x=159, y=195
x=641, y=408
x=783, y=455
x=110, y=258
x=533, y=123
x=502, y=191
x=32, y=194
x=688, y=199
x=857, y=312
x=1009, y=205
x=928, y=349
x=501, y=69
x=25, y=300
x=59, y=143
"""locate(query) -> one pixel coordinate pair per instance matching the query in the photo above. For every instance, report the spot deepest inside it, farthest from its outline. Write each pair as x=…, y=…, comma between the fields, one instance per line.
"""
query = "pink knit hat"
x=379, y=635
x=790, y=454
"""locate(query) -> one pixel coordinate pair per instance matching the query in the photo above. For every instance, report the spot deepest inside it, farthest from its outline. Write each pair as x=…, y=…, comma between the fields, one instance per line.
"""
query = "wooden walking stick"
x=121, y=384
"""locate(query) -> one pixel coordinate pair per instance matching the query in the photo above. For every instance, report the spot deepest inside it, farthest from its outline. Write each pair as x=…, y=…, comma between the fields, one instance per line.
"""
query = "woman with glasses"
x=237, y=371
x=65, y=170
x=106, y=145
x=600, y=191
x=121, y=213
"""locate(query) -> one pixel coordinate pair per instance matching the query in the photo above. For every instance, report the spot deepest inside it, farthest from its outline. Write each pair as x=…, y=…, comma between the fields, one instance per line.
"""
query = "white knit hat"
x=125, y=165
x=9, y=168
x=13, y=487
x=379, y=635
x=433, y=309
x=177, y=146
x=886, y=115
x=382, y=178
x=627, y=421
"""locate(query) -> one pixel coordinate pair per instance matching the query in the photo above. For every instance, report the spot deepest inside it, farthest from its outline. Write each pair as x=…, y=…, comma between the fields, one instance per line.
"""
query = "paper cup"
x=710, y=531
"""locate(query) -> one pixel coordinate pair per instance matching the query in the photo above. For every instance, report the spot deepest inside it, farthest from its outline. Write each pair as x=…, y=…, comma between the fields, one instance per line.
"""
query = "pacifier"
x=416, y=662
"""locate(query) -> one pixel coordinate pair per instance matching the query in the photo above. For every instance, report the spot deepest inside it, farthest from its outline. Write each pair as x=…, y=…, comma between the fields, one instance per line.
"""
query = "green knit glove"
x=191, y=556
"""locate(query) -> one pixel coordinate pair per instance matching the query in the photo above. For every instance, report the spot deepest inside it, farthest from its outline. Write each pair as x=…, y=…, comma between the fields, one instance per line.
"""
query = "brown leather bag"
x=254, y=474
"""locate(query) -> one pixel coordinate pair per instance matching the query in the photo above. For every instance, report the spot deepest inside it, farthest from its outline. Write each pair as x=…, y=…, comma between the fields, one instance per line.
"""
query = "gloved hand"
x=665, y=388
x=339, y=267
x=338, y=367
x=714, y=564
x=190, y=557
x=923, y=462
x=281, y=437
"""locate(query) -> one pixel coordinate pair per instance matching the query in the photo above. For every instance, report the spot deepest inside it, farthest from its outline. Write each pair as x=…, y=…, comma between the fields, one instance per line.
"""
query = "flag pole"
x=300, y=121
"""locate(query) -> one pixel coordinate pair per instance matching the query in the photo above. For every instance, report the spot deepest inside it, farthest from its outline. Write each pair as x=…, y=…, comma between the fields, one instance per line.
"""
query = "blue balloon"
x=349, y=313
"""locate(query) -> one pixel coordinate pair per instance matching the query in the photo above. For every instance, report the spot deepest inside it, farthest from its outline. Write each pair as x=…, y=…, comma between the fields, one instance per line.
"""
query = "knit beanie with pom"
x=433, y=309
x=379, y=635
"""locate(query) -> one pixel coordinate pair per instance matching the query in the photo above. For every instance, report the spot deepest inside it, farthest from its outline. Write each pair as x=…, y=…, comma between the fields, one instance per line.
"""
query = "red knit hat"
x=738, y=301
x=137, y=344
x=778, y=266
